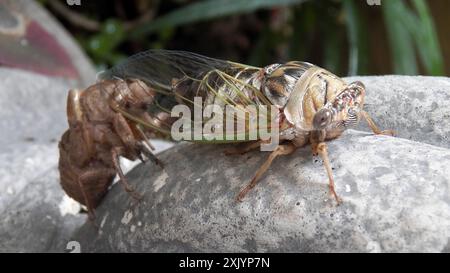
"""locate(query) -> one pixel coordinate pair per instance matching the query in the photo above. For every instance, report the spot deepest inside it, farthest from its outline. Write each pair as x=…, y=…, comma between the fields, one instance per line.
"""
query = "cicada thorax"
x=311, y=92
x=279, y=81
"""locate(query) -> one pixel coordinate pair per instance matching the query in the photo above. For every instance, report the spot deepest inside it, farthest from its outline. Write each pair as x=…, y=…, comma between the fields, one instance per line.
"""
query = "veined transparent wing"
x=159, y=67
x=179, y=76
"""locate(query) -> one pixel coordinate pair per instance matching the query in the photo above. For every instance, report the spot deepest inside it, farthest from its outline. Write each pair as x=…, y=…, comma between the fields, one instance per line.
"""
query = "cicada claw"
x=146, y=151
x=135, y=195
x=388, y=133
x=374, y=127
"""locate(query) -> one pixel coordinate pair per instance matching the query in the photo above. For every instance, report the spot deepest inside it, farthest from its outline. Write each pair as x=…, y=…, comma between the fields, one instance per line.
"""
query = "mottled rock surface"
x=418, y=107
x=396, y=191
x=34, y=214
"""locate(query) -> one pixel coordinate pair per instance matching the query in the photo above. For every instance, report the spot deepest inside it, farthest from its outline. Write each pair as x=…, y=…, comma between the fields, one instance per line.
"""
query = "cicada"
x=134, y=101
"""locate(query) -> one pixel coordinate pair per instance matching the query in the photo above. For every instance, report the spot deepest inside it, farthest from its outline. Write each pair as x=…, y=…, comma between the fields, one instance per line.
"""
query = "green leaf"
x=303, y=22
x=103, y=45
x=357, y=39
x=426, y=39
x=401, y=42
x=408, y=29
x=205, y=10
x=332, y=51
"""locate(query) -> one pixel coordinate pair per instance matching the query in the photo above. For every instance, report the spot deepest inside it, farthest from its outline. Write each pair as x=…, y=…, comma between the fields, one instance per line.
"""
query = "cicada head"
x=344, y=110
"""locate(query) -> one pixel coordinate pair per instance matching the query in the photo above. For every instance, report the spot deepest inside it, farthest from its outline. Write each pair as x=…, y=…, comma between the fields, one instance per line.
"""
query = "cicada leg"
x=374, y=127
x=116, y=152
x=280, y=150
x=146, y=151
x=91, y=175
x=125, y=133
x=321, y=149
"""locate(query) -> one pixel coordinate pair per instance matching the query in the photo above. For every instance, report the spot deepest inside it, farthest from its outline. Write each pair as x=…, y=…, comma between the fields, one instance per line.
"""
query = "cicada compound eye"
x=322, y=119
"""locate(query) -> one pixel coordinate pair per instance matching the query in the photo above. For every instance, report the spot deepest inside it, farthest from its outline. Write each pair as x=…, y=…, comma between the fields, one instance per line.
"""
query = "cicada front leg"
x=131, y=148
x=374, y=127
x=148, y=153
x=280, y=150
x=147, y=150
x=116, y=153
x=322, y=151
x=319, y=147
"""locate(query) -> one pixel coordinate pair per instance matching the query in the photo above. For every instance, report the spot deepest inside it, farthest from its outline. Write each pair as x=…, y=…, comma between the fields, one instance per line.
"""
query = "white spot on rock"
x=348, y=188
x=10, y=191
x=104, y=220
x=127, y=217
x=160, y=181
x=198, y=179
x=133, y=228
x=373, y=247
x=69, y=206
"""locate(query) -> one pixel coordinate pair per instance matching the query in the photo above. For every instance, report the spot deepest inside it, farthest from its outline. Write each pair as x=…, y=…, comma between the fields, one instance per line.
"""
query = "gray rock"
x=33, y=115
x=35, y=215
x=417, y=107
x=395, y=190
x=39, y=218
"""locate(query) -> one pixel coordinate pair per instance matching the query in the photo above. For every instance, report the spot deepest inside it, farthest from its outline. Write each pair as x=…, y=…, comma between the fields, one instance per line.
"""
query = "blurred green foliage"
x=410, y=30
x=104, y=44
x=336, y=34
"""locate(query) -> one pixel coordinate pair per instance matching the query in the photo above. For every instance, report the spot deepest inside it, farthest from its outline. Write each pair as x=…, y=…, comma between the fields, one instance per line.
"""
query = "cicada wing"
x=178, y=77
x=243, y=104
x=158, y=68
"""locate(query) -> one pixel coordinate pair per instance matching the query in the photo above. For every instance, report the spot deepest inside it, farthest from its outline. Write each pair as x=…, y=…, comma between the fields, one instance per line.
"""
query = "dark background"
x=347, y=37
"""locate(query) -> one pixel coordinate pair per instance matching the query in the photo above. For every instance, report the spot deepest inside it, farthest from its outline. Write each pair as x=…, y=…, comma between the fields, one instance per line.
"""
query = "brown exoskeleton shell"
x=97, y=136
